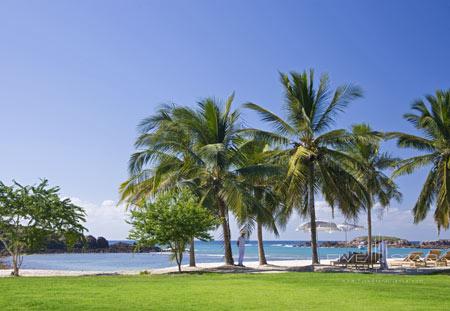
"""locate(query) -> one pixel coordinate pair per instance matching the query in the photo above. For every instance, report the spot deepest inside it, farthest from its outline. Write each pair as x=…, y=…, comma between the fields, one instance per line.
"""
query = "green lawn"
x=285, y=291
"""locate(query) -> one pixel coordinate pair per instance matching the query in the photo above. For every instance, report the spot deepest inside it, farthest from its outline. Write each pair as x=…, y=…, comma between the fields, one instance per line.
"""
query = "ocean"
x=205, y=252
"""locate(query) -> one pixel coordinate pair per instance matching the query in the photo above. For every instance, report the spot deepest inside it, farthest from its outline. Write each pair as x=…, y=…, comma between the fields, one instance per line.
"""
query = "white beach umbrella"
x=349, y=227
x=346, y=227
x=321, y=226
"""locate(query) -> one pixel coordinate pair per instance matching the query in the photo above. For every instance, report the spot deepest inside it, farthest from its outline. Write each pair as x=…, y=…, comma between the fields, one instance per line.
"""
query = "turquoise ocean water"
x=205, y=252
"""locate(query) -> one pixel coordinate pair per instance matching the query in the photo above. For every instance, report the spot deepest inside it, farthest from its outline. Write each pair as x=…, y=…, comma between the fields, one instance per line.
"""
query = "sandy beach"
x=253, y=266
x=250, y=267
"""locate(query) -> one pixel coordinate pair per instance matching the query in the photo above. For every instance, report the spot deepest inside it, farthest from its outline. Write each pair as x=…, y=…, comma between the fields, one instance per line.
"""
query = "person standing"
x=241, y=245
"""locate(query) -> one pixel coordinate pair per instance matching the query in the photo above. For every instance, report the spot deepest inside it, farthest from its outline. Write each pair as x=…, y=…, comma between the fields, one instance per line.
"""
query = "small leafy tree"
x=29, y=214
x=172, y=219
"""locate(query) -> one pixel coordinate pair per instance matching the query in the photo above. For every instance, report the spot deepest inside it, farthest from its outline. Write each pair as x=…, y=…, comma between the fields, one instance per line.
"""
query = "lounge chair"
x=413, y=259
x=342, y=261
x=347, y=259
x=357, y=260
x=444, y=259
x=367, y=260
x=432, y=257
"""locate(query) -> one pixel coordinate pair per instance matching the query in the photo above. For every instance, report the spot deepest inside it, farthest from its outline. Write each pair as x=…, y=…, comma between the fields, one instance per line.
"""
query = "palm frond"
x=411, y=141
x=408, y=166
x=265, y=136
x=426, y=197
x=278, y=123
x=340, y=100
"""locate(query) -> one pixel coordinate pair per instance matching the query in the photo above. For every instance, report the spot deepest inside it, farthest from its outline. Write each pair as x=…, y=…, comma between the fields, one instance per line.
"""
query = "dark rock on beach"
x=102, y=242
x=122, y=247
x=90, y=244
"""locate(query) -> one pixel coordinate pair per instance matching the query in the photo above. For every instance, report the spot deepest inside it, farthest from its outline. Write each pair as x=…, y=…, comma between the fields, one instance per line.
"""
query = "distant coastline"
x=101, y=245
x=391, y=242
x=90, y=245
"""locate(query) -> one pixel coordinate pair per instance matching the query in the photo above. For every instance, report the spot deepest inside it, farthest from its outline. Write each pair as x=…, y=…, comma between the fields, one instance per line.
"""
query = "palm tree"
x=312, y=161
x=373, y=162
x=215, y=133
x=196, y=147
x=161, y=163
x=433, y=121
x=220, y=170
x=266, y=212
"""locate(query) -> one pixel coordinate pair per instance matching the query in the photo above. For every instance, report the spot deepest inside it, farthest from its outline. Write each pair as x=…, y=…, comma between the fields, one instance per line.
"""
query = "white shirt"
x=241, y=242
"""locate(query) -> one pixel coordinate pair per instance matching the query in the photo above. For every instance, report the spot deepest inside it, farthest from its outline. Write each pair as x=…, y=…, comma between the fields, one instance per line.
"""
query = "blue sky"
x=77, y=76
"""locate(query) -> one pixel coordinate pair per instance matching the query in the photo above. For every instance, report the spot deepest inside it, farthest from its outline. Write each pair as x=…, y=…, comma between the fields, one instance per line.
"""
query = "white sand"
x=250, y=267
x=273, y=266
x=40, y=272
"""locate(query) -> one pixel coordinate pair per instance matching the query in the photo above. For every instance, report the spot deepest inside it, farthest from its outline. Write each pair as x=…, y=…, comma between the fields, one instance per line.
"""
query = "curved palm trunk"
x=369, y=231
x=312, y=214
x=261, y=253
x=223, y=211
x=192, y=254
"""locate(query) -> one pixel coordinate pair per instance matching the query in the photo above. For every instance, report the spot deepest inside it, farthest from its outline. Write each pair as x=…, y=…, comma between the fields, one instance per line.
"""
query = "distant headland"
x=390, y=240
x=90, y=244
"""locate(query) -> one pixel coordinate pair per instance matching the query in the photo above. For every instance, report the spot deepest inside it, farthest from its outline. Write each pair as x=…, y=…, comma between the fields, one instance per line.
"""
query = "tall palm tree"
x=220, y=169
x=365, y=149
x=313, y=162
x=432, y=119
x=196, y=147
x=266, y=212
x=214, y=130
x=161, y=162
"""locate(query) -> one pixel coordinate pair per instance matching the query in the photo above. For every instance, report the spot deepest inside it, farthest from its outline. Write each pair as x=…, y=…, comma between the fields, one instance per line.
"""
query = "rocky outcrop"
x=122, y=247
x=90, y=244
x=102, y=242
x=332, y=244
x=435, y=244
x=391, y=242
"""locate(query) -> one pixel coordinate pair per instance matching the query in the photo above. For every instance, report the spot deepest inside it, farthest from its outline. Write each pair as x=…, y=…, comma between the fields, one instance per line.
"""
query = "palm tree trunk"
x=312, y=213
x=369, y=231
x=261, y=253
x=226, y=233
x=192, y=254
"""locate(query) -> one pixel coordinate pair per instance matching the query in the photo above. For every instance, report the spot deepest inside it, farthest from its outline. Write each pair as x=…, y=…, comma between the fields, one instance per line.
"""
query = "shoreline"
x=276, y=266
x=3, y=254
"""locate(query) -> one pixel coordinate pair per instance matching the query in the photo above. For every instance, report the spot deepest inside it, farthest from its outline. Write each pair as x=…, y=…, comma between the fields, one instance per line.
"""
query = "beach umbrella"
x=349, y=227
x=321, y=226
x=346, y=227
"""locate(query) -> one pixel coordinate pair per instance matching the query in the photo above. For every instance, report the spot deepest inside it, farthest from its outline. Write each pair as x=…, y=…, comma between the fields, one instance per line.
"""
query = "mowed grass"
x=284, y=291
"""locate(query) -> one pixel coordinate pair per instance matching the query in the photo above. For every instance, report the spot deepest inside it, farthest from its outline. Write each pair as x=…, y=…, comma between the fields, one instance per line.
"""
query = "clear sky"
x=77, y=76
